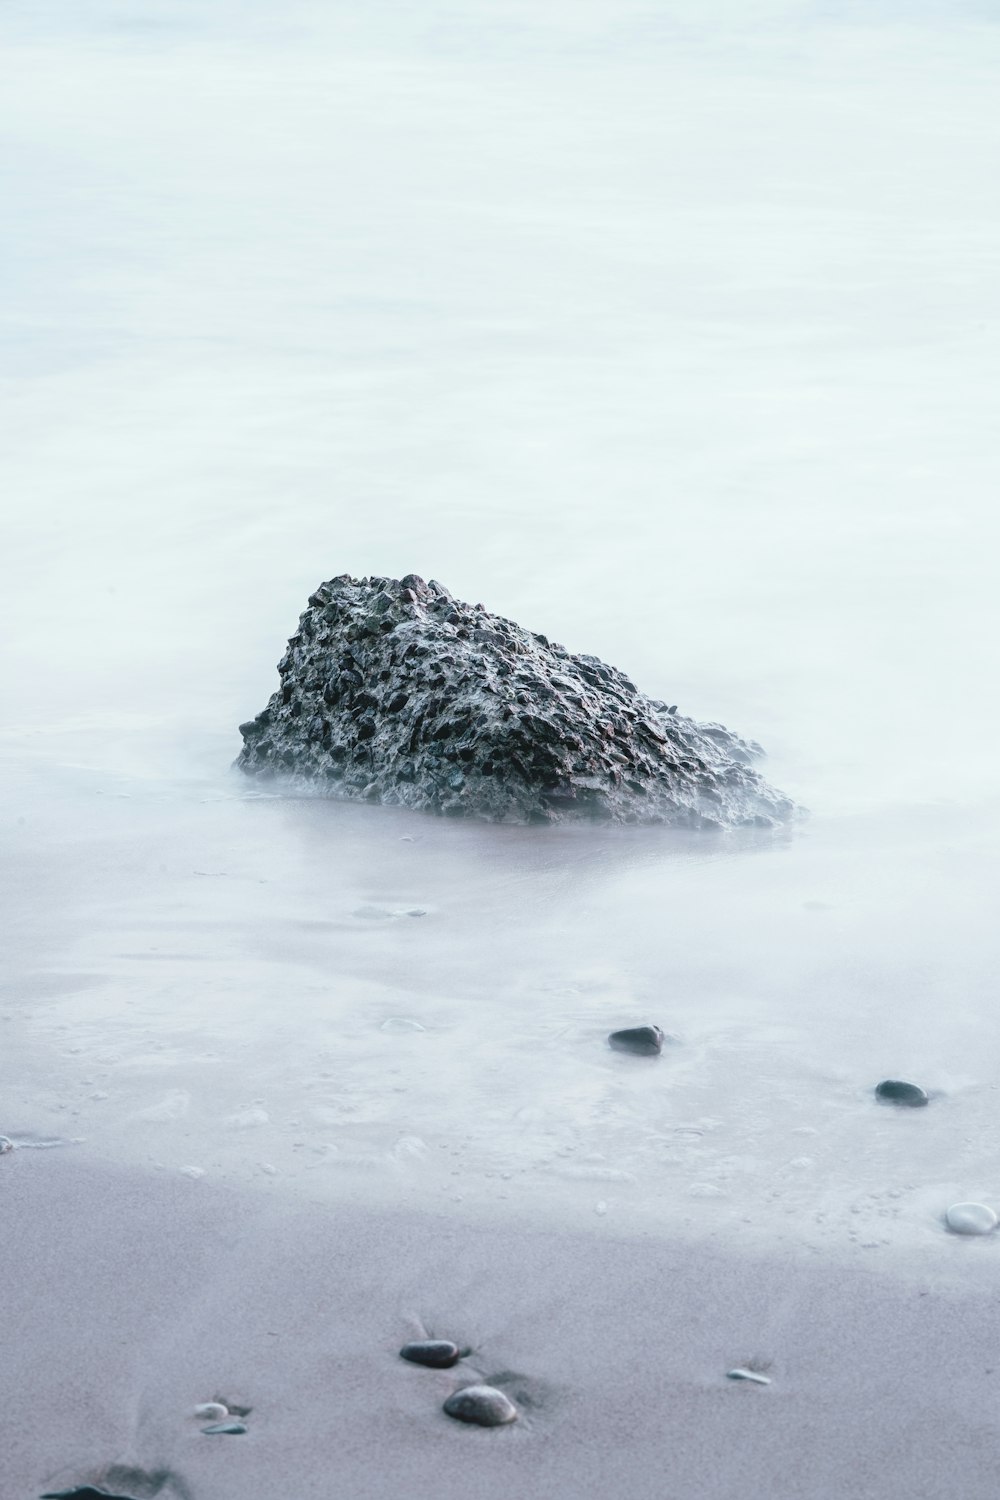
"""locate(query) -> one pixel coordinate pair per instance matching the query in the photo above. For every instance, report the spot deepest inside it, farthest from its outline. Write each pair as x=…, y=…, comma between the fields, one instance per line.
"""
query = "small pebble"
x=227, y=1429
x=6, y=1144
x=84, y=1492
x=894, y=1091
x=741, y=1373
x=437, y=1354
x=483, y=1405
x=211, y=1411
x=971, y=1218
x=645, y=1041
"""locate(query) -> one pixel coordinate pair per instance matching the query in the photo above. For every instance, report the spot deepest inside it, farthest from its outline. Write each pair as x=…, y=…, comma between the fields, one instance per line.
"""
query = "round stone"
x=437, y=1354
x=894, y=1091
x=211, y=1411
x=483, y=1405
x=644, y=1041
x=971, y=1218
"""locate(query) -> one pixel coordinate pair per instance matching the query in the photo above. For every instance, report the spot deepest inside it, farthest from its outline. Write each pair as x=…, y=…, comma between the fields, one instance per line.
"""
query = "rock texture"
x=393, y=691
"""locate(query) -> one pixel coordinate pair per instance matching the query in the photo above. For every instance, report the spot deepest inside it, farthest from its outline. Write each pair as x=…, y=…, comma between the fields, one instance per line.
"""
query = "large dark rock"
x=396, y=692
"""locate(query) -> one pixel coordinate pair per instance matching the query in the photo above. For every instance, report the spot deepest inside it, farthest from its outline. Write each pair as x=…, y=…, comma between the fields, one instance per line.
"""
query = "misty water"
x=669, y=331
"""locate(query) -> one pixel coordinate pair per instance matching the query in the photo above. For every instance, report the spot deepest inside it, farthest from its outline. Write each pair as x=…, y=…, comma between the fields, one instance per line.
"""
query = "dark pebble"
x=482, y=1405
x=224, y=1429
x=646, y=1041
x=438, y=1354
x=86, y=1492
x=892, y=1091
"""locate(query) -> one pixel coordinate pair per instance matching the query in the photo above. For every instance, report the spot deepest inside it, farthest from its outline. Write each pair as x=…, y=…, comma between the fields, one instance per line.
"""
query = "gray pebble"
x=644, y=1041
x=437, y=1354
x=742, y=1373
x=6, y=1144
x=483, y=1405
x=894, y=1091
x=227, y=1429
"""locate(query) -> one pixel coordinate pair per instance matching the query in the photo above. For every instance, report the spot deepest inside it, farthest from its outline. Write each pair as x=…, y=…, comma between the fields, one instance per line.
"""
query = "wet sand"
x=131, y=1297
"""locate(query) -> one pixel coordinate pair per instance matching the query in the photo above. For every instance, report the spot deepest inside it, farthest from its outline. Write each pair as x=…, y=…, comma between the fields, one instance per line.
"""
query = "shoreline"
x=134, y=1297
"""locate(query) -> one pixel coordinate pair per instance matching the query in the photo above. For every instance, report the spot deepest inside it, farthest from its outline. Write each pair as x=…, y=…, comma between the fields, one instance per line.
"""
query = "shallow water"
x=672, y=340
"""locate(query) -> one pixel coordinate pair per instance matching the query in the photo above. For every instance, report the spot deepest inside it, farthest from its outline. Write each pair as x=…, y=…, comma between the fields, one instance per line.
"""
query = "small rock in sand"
x=894, y=1091
x=83, y=1492
x=754, y=1376
x=645, y=1041
x=224, y=1429
x=482, y=1405
x=211, y=1411
x=437, y=1354
x=971, y=1218
x=6, y=1144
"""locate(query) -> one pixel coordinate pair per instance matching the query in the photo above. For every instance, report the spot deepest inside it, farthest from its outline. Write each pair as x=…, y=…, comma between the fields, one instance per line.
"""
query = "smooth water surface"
x=669, y=331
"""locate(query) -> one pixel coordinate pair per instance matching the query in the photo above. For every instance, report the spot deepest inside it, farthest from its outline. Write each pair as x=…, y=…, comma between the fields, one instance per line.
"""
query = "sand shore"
x=132, y=1297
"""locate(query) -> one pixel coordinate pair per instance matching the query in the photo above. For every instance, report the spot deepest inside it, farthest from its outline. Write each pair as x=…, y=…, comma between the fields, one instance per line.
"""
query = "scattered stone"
x=482, y=1405
x=6, y=1144
x=754, y=1376
x=894, y=1091
x=225, y=1429
x=393, y=691
x=126, y=1482
x=971, y=1218
x=211, y=1411
x=437, y=1354
x=645, y=1041
x=84, y=1492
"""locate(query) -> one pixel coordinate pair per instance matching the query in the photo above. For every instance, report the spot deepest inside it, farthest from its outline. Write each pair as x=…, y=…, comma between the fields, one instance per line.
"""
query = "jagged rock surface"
x=395, y=692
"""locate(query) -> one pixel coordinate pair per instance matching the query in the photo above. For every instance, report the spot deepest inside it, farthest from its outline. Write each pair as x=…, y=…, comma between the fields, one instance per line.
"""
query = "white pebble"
x=211, y=1411
x=971, y=1218
x=6, y=1144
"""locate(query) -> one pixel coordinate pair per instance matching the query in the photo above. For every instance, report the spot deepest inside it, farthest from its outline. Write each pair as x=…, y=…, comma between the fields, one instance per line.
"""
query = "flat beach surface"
x=132, y=1297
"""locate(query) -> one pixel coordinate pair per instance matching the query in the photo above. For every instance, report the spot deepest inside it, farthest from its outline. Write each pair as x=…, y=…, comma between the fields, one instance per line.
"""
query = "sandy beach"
x=132, y=1298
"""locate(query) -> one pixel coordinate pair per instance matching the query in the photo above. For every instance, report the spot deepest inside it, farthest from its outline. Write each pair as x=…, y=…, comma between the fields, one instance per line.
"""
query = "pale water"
x=669, y=331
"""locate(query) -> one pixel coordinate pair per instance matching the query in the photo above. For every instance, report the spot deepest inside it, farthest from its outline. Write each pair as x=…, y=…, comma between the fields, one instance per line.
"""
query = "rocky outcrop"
x=393, y=691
